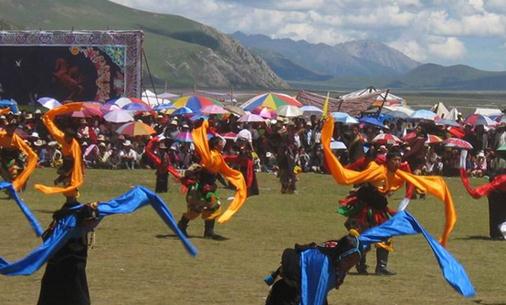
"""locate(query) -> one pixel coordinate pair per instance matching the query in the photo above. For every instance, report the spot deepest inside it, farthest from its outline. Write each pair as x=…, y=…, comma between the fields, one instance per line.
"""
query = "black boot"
x=183, y=225
x=381, y=262
x=362, y=266
x=209, y=230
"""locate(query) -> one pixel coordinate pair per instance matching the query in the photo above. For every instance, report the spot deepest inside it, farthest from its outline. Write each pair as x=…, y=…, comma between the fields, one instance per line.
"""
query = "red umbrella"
x=433, y=139
x=386, y=138
x=456, y=132
x=478, y=119
x=410, y=136
x=457, y=143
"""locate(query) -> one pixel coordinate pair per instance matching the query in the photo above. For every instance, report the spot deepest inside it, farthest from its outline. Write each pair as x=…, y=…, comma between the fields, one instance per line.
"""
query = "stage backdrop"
x=70, y=65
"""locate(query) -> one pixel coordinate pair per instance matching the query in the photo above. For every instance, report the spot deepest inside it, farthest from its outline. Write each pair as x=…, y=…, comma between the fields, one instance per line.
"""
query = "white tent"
x=152, y=99
x=488, y=111
x=441, y=110
x=375, y=96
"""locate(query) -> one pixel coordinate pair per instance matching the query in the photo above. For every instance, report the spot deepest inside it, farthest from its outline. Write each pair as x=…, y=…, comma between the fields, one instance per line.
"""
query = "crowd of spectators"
x=295, y=141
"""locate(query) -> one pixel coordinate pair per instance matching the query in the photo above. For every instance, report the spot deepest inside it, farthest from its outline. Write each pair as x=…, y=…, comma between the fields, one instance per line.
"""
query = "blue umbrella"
x=343, y=117
x=372, y=121
x=198, y=117
x=183, y=110
x=136, y=107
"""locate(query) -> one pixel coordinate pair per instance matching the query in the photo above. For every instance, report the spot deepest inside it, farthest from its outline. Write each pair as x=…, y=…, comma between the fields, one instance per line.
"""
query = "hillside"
x=351, y=59
x=180, y=51
x=458, y=77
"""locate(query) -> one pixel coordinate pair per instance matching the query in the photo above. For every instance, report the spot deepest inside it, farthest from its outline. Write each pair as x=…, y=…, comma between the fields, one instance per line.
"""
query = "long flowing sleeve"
x=73, y=149
x=213, y=161
x=151, y=155
x=483, y=190
x=342, y=175
x=4, y=111
x=436, y=186
x=31, y=163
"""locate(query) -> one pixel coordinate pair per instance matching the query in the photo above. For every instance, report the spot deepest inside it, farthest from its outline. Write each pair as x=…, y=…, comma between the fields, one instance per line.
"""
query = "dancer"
x=212, y=163
x=385, y=179
x=65, y=245
x=70, y=173
x=495, y=190
x=10, y=146
x=244, y=160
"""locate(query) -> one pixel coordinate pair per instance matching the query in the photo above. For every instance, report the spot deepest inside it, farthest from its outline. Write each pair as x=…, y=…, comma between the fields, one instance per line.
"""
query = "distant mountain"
x=352, y=59
x=458, y=77
x=180, y=51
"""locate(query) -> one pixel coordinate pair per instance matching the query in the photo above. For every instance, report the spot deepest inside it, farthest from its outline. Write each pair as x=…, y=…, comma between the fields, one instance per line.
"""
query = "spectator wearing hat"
x=128, y=155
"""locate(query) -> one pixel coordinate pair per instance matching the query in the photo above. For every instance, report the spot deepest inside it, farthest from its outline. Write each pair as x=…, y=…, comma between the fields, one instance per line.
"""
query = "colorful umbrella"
x=195, y=102
x=343, y=117
x=433, y=139
x=118, y=116
x=423, y=114
x=48, y=102
x=386, y=138
x=457, y=143
x=250, y=117
x=478, y=119
x=137, y=107
x=213, y=109
x=271, y=100
x=289, y=111
x=184, y=137
x=136, y=128
x=199, y=117
x=123, y=101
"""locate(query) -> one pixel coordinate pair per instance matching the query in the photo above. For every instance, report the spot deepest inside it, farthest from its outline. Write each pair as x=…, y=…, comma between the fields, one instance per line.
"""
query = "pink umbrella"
x=213, y=109
x=386, y=138
x=250, y=117
x=457, y=143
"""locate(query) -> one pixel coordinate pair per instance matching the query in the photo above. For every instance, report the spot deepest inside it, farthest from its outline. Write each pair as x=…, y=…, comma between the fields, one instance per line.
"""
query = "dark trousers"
x=496, y=213
x=162, y=182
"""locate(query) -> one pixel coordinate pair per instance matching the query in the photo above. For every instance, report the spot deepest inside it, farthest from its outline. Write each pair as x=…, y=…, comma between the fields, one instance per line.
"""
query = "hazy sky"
x=446, y=32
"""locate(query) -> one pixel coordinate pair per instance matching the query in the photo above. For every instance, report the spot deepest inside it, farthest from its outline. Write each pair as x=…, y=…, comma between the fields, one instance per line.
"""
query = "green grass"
x=135, y=262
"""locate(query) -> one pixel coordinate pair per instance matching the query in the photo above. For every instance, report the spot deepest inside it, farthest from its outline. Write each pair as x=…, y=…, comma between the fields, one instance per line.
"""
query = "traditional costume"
x=71, y=172
x=245, y=163
x=204, y=195
x=308, y=273
x=383, y=182
x=65, y=248
x=10, y=145
x=495, y=190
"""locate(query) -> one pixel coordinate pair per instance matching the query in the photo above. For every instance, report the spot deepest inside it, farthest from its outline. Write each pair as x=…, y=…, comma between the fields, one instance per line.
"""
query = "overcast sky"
x=446, y=32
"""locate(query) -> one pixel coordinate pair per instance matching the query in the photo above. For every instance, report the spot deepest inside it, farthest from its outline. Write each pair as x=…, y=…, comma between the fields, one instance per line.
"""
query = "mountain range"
x=359, y=63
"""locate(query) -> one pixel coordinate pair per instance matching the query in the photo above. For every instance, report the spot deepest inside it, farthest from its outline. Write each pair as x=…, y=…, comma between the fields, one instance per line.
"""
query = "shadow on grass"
x=479, y=237
x=43, y=211
x=481, y=302
x=174, y=236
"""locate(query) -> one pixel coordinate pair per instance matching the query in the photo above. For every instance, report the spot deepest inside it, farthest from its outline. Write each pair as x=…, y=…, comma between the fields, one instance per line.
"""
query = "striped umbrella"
x=433, y=139
x=478, y=119
x=195, y=102
x=457, y=143
x=265, y=112
x=136, y=128
x=182, y=111
x=118, y=116
x=289, y=111
x=386, y=138
x=270, y=100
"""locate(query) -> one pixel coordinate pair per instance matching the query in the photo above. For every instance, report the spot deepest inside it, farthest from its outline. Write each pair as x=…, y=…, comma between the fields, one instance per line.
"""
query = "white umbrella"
x=337, y=145
x=310, y=109
x=118, y=116
x=343, y=117
x=48, y=102
x=423, y=114
x=213, y=109
x=289, y=111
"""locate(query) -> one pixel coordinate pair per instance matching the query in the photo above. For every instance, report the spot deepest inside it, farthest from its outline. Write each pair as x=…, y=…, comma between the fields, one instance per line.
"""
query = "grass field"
x=138, y=261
